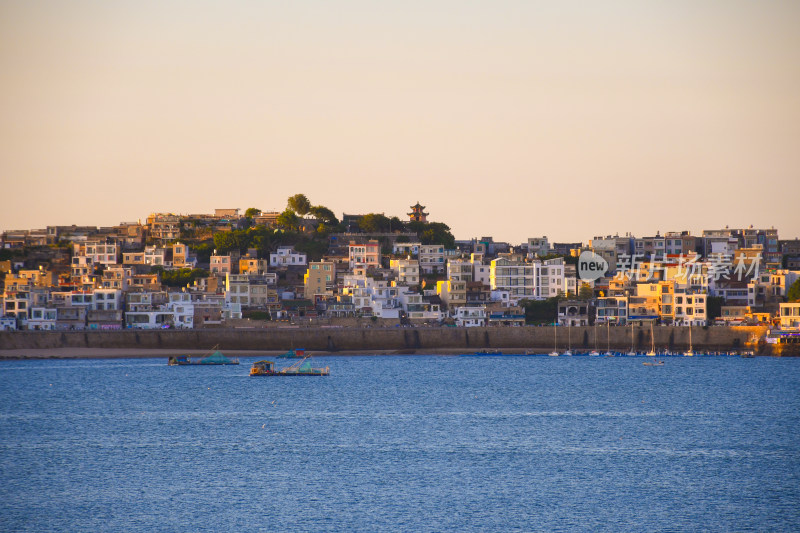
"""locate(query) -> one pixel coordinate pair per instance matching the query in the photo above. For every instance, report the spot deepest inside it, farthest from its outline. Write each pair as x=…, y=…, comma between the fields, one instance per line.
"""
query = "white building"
x=155, y=256
x=406, y=248
x=101, y=252
x=690, y=308
x=178, y=312
x=468, y=317
x=81, y=266
x=480, y=271
x=107, y=299
x=286, y=256
x=552, y=276
x=248, y=290
x=372, y=297
x=42, y=319
x=416, y=308
x=460, y=270
x=182, y=307
x=406, y=271
x=538, y=246
x=518, y=278
x=431, y=258
x=790, y=315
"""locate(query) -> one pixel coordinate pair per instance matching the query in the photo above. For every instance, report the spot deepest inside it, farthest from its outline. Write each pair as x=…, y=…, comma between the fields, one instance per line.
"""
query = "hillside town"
x=305, y=267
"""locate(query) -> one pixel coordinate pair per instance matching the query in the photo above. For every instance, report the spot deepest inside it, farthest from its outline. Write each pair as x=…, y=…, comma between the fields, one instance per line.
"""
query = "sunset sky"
x=508, y=118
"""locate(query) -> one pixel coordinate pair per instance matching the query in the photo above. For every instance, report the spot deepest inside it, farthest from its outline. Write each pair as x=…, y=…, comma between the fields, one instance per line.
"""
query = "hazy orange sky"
x=508, y=118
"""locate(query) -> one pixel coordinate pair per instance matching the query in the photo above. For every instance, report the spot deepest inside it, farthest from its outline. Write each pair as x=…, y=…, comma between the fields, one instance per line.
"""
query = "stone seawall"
x=398, y=340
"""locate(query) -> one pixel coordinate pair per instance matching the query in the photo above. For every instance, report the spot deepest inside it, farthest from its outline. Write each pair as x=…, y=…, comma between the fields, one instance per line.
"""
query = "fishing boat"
x=300, y=368
x=213, y=357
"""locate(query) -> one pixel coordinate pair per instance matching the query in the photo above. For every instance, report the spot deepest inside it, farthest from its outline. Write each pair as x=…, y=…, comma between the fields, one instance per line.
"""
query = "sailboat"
x=632, y=353
x=554, y=353
x=594, y=353
x=569, y=339
x=608, y=339
x=689, y=352
x=652, y=352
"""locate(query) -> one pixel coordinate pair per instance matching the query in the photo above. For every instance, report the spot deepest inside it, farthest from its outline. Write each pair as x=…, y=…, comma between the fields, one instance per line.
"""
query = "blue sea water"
x=415, y=443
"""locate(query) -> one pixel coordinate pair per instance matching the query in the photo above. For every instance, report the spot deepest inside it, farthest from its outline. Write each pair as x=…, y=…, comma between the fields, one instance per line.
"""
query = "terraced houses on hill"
x=71, y=277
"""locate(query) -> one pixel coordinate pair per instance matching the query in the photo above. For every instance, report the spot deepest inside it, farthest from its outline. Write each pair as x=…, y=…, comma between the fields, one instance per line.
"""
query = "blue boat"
x=298, y=353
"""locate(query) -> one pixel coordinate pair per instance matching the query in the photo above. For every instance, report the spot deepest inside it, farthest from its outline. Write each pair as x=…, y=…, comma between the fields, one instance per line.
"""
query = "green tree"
x=182, y=277
x=314, y=249
x=793, y=294
x=299, y=204
x=324, y=215
x=288, y=220
x=585, y=292
x=395, y=225
x=540, y=311
x=203, y=251
x=374, y=223
x=262, y=238
x=252, y=212
x=225, y=241
x=714, y=307
x=437, y=233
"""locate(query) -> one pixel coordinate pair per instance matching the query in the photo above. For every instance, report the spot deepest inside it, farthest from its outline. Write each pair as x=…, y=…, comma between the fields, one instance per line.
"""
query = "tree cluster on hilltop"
x=309, y=235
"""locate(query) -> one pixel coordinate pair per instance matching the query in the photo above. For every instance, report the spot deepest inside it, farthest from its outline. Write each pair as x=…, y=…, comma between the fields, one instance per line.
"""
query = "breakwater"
x=402, y=340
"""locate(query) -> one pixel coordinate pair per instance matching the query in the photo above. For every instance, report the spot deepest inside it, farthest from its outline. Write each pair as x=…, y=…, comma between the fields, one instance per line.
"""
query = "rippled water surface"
x=402, y=444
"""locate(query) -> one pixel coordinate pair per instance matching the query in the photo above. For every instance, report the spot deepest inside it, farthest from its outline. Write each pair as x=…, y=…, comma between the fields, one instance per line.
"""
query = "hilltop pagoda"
x=418, y=214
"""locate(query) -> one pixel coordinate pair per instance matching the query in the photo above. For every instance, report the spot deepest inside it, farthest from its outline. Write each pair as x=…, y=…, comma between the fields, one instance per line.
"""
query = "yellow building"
x=252, y=265
x=320, y=279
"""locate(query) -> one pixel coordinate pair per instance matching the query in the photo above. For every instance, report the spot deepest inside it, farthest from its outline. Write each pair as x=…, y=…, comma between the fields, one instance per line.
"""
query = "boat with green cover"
x=300, y=368
x=298, y=353
x=215, y=357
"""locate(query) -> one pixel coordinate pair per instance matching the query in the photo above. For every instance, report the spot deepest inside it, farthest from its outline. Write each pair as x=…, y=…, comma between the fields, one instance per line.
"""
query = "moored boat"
x=300, y=368
x=652, y=352
x=294, y=353
x=215, y=357
x=689, y=352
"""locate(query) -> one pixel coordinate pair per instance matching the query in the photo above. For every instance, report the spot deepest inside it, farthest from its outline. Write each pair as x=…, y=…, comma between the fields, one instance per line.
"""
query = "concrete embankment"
x=422, y=340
